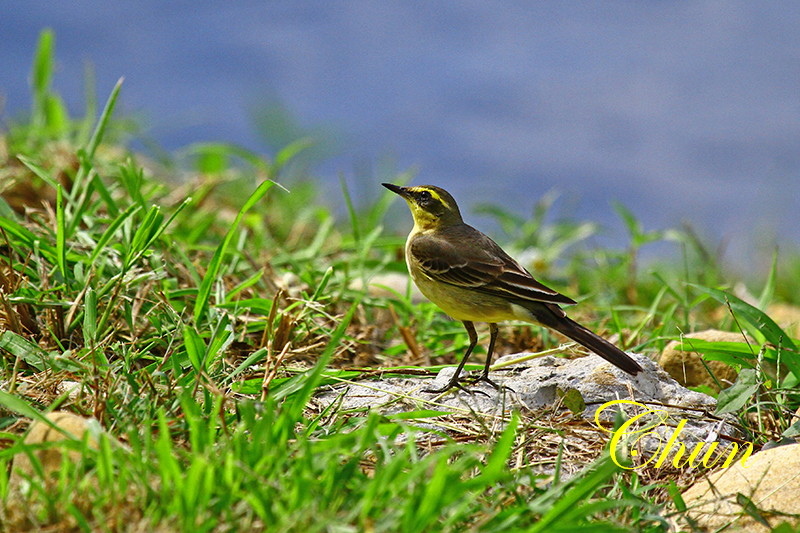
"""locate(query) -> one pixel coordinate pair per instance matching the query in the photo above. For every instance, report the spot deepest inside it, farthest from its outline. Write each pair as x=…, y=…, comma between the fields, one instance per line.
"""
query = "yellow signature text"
x=644, y=424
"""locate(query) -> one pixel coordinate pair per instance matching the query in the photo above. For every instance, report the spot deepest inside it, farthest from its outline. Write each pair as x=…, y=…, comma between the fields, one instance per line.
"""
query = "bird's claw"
x=470, y=381
x=484, y=377
x=450, y=385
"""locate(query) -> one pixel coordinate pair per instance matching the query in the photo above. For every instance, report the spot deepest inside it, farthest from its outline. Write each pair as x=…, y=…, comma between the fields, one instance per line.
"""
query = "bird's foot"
x=485, y=378
x=460, y=384
x=452, y=384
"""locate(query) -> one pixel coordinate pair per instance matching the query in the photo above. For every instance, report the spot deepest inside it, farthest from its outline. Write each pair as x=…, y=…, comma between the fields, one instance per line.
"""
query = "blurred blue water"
x=683, y=111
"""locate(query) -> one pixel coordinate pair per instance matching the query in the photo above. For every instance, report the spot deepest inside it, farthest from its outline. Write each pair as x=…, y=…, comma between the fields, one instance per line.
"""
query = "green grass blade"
x=87, y=153
x=90, y=318
x=752, y=510
x=57, y=118
x=581, y=489
x=769, y=287
x=195, y=347
x=132, y=178
x=222, y=337
x=111, y=231
x=351, y=210
x=246, y=284
x=497, y=464
x=244, y=365
x=289, y=152
x=149, y=230
x=761, y=326
x=61, y=252
x=764, y=325
x=431, y=501
x=143, y=236
x=100, y=188
x=168, y=467
x=43, y=62
x=41, y=78
x=214, y=267
x=739, y=394
x=40, y=172
x=313, y=376
x=417, y=415
x=25, y=236
x=20, y=406
x=323, y=283
x=105, y=117
x=84, y=131
x=24, y=349
x=169, y=221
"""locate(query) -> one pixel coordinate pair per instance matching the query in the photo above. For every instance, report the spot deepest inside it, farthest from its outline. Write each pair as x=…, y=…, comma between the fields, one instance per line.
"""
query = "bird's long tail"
x=557, y=320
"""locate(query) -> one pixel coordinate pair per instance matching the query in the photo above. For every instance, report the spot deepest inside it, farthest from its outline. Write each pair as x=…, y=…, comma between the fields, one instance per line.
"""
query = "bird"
x=472, y=279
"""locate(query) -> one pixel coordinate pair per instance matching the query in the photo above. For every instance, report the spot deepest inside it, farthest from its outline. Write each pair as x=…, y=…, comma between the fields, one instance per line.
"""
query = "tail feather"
x=568, y=327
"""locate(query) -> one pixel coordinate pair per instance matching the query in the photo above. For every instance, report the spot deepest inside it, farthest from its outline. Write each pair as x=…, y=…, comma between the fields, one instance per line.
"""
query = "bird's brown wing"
x=480, y=265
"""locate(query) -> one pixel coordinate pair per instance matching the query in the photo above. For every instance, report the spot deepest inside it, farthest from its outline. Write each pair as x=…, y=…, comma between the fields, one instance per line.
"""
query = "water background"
x=682, y=111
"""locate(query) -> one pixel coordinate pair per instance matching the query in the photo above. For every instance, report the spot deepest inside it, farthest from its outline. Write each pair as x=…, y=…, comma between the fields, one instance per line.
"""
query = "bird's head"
x=432, y=207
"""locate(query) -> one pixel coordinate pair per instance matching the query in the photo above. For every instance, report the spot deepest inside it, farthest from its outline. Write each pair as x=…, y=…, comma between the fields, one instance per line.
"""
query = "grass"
x=195, y=322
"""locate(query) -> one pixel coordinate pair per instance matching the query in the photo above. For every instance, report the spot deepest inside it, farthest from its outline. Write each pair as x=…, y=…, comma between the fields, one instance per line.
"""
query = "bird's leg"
x=493, y=330
x=473, y=340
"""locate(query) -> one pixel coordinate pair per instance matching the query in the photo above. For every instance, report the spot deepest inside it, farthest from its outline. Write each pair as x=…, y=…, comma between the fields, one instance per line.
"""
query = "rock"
x=54, y=450
x=769, y=479
x=687, y=367
x=388, y=285
x=532, y=384
x=535, y=384
x=291, y=284
x=796, y=417
x=787, y=317
x=50, y=457
x=71, y=388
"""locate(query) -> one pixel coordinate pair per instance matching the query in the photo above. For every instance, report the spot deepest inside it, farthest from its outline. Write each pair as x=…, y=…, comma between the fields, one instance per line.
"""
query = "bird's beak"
x=402, y=191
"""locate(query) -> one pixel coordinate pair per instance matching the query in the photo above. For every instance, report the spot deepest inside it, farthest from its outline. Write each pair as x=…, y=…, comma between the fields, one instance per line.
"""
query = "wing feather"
x=482, y=266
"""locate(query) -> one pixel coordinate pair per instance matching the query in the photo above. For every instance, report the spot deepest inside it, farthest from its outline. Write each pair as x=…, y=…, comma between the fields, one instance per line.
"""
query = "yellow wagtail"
x=472, y=279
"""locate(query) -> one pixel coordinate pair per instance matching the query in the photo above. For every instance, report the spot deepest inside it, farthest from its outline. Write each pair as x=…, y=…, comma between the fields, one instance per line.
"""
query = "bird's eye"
x=424, y=196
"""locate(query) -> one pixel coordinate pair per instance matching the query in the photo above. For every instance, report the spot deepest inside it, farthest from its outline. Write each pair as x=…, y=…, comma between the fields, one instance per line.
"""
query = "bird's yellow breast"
x=462, y=303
